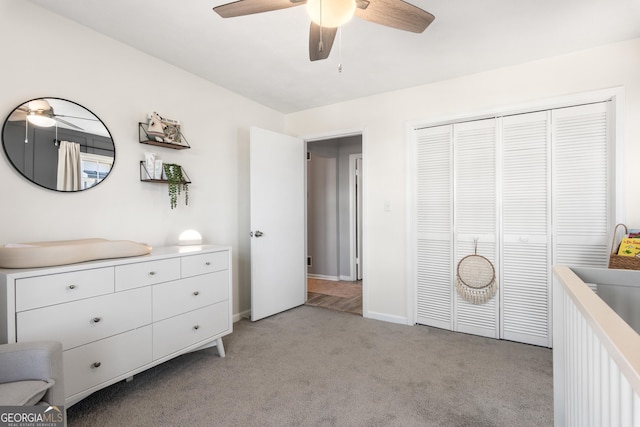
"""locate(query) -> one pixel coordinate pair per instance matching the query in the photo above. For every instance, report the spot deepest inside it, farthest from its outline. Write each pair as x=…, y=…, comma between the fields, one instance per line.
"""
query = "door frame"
x=355, y=224
x=336, y=135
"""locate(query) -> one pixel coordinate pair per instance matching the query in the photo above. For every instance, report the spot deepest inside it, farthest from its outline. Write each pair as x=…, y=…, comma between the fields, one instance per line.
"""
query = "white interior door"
x=278, y=268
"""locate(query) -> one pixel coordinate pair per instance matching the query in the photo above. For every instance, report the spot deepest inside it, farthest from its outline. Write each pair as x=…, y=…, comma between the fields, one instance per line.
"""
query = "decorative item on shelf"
x=152, y=173
x=626, y=255
x=150, y=165
x=162, y=132
x=190, y=237
x=156, y=127
x=167, y=129
x=177, y=183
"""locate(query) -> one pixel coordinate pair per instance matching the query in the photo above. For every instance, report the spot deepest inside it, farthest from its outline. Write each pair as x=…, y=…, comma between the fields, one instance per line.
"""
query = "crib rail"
x=596, y=358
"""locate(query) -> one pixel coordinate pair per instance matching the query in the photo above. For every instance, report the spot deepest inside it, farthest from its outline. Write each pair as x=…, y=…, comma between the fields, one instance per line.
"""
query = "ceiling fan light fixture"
x=40, y=118
x=335, y=13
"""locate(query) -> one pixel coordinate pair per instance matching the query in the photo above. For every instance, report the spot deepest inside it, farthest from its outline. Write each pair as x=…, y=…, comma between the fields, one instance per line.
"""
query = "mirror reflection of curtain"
x=69, y=175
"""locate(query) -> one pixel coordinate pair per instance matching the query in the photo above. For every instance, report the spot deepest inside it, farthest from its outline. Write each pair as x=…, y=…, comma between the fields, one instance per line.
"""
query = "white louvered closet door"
x=526, y=216
x=582, y=185
x=550, y=200
x=474, y=171
x=434, y=216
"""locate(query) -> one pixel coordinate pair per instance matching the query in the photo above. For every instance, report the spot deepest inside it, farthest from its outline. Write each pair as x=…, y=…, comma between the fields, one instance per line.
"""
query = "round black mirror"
x=58, y=144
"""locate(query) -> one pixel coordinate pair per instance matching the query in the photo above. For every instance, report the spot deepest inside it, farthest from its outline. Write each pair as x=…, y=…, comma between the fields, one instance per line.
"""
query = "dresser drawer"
x=40, y=291
x=147, y=273
x=80, y=322
x=173, y=298
x=193, y=265
x=178, y=332
x=92, y=364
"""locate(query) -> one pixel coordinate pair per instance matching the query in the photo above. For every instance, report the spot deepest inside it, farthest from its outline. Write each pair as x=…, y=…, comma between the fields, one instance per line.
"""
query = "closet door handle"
x=196, y=293
x=96, y=365
x=196, y=327
x=96, y=319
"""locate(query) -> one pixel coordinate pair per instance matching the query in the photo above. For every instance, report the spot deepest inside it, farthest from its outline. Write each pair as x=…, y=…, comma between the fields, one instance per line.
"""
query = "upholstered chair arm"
x=34, y=361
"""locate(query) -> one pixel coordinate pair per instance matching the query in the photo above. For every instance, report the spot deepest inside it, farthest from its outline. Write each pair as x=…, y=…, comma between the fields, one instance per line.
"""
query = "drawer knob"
x=196, y=293
x=196, y=327
x=96, y=319
x=96, y=364
x=208, y=263
x=71, y=287
x=152, y=273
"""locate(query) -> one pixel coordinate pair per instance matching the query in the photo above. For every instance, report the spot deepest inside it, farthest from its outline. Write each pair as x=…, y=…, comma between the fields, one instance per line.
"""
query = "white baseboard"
x=387, y=318
x=369, y=315
x=242, y=315
x=347, y=278
x=323, y=277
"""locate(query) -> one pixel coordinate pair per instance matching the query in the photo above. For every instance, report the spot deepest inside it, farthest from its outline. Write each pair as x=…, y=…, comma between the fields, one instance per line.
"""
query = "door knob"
x=258, y=233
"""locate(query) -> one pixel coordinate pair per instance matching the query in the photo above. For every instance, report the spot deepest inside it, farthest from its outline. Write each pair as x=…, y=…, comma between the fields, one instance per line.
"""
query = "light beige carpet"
x=314, y=367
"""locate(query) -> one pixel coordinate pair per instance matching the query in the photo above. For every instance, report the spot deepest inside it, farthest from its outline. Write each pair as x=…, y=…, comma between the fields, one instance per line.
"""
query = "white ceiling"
x=265, y=57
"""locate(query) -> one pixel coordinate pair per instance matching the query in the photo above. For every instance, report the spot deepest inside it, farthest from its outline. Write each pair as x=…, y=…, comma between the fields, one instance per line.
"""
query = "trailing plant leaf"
x=176, y=183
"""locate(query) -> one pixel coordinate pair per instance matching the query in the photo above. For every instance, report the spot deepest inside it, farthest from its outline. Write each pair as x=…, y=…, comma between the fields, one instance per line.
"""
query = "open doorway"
x=334, y=223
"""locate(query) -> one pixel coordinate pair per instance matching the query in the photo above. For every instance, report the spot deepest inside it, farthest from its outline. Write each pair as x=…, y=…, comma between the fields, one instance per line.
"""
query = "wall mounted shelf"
x=146, y=138
x=145, y=176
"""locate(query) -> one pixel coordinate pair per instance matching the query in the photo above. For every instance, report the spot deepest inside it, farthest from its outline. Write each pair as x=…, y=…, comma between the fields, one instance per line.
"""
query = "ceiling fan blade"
x=76, y=117
x=68, y=123
x=18, y=115
x=319, y=48
x=249, y=7
x=396, y=14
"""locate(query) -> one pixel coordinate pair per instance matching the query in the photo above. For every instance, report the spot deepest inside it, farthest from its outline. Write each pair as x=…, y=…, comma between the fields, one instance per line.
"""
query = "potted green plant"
x=177, y=183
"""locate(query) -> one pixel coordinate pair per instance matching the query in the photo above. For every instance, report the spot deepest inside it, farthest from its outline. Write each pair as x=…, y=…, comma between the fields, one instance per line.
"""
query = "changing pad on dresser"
x=46, y=254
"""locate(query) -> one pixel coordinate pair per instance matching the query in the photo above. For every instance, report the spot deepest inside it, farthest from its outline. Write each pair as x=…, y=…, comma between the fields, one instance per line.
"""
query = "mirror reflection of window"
x=32, y=135
x=94, y=168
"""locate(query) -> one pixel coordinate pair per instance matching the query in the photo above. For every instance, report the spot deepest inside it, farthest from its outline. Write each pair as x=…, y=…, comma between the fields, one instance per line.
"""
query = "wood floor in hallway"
x=335, y=295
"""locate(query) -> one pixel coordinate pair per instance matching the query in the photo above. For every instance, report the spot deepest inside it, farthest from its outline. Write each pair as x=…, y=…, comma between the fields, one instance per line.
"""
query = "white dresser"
x=118, y=317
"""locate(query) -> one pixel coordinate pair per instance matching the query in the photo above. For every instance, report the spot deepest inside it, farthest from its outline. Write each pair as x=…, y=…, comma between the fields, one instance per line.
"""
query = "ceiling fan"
x=327, y=15
x=40, y=113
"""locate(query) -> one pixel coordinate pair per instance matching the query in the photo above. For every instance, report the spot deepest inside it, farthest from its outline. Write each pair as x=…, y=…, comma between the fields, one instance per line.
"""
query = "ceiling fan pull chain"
x=339, y=49
x=320, y=44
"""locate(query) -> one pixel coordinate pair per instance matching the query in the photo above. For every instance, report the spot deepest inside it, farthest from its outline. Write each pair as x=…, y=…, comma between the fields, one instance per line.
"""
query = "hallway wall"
x=328, y=214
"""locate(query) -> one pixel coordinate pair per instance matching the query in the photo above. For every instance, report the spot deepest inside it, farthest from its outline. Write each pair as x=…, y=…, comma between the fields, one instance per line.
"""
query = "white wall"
x=45, y=55
x=385, y=119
